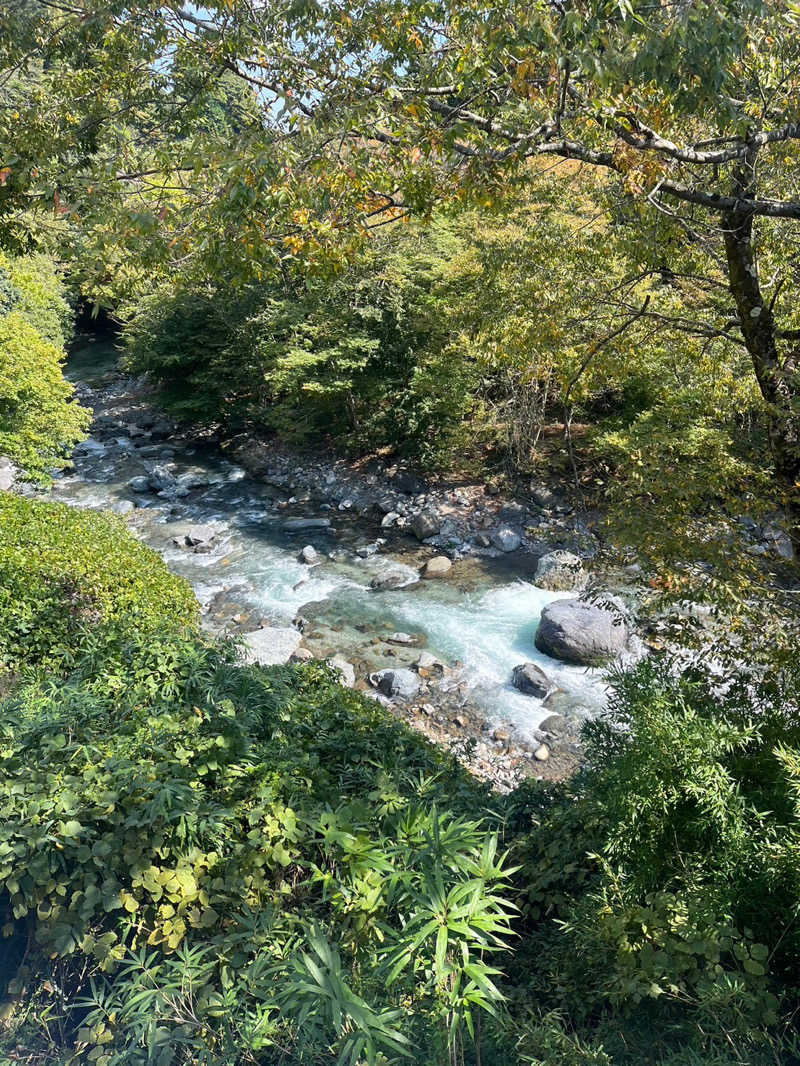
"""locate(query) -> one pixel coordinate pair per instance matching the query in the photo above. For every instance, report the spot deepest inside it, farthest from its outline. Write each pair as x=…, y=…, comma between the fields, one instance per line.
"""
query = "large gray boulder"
x=506, y=539
x=580, y=632
x=271, y=646
x=531, y=680
x=139, y=484
x=560, y=571
x=403, y=683
x=424, y=525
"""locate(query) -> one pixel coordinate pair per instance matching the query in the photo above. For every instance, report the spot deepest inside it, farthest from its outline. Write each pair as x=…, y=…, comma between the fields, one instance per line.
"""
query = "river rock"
x=424, y=525
x=162, y=479
x=345, y=669
x=408, y=639
x=8, y=473
x=506, y=539
x=91, y=449
x=296, y=525
x=437, y=567
x=429, y=663
x=140, y=484
x=543, y=497
x=580, y=632
x=396, y=577
x=555, y=724
x=560, y=571
x=389, y=519
x=308, y=555
x=271, y=646
x=531, y=680
x=542, y=753
x=301, y=655
x=200, y=534
x=403, y=683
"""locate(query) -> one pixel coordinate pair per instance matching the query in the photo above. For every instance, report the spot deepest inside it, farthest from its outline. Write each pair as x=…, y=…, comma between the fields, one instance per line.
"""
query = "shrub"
x=72, y=580
x=672, y=869
x=38, y=418
x=242, y=865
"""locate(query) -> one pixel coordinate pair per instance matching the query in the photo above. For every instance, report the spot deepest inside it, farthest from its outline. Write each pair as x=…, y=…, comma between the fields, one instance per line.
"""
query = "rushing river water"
x=483, y=615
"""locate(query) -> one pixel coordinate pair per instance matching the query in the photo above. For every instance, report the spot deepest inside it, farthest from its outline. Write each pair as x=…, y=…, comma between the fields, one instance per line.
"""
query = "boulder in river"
x=560, y=571
x=531, y=680
x=271, y=646
x=162, y=479
x=506, y=539
x=437, y=567
x=580, y=632
x=403, y=683
x=296, y=525
x=140, y=484
x=396, y=577
x=308, y=555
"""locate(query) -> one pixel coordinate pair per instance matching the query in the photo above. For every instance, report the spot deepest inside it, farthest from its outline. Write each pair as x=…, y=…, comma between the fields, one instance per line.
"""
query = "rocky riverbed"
x=464, y=612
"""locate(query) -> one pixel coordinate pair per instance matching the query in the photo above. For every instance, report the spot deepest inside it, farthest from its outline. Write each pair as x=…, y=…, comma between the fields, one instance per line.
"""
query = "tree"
x=372, y=113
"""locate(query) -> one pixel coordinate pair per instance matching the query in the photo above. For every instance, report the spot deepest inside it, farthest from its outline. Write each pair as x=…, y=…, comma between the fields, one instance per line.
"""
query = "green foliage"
x=358, y=358
x=670, y=868
x=39, y=420
x=218, y=876
x=35, y=291
x=71, y=580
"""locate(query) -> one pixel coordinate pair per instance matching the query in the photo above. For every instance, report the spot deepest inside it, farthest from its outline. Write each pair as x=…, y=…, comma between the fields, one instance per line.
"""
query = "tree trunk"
x=776, y=375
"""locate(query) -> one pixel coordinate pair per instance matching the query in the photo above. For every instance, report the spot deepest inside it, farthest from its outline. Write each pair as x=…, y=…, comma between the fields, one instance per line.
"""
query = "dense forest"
x=548, y=249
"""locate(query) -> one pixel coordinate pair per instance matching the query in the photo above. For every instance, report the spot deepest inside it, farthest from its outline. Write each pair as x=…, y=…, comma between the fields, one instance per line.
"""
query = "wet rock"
x=560, y=571
x=429, y=663
x=437, y=567
x=531, y=680
x=345, y=669
x=403, y=683
x=386, y=505
x=396, y=577
x=308, y=555
x=365, y=551
x=296, y=525
x=407, y=639
x=201, y=536
x=542, y=753
x=389, y=519
x=424, y=525
x=162, y=479
x=580, y=632
x=502, y=733
x=556, y=724
x=271, y=646
x=506, y=539
x=139, y=484
x=90, y=449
